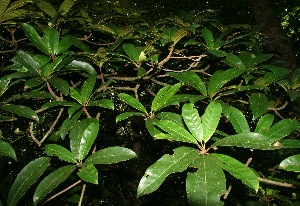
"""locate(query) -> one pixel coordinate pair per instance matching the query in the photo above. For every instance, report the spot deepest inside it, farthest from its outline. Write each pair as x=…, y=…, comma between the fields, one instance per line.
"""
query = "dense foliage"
x=126, y=103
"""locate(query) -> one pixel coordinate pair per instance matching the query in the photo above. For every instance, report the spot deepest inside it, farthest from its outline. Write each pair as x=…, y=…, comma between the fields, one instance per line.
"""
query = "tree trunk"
x=267, y=19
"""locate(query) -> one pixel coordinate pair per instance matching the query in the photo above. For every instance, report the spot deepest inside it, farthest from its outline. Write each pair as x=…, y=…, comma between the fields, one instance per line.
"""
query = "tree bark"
x=267, y=19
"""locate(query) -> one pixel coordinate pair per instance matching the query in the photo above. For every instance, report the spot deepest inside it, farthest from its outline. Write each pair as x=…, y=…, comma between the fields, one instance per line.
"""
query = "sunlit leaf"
x=282, y=129
x=51, y=40
x=291, y=163
x=65, y=7
x=193, y=121
x=132, y=102
x=211, y=119
x=264, y=123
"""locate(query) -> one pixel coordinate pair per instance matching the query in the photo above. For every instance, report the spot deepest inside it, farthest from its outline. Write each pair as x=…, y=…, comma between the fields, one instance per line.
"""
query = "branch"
x=271, y=182
x=82, y=194
x=32, y=135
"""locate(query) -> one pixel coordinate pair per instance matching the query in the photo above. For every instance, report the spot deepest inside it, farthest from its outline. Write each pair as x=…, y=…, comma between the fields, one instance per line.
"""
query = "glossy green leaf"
x=110, y=155
x=175, y=132
x=132, y=51
x=250, y=140
x=82, y=137
x=3, y=5
x=18, y=13
x=141, y=72
x=289, y=143
x=68, y=124
x=164, y=96
x=69, y=40
x=132, y=102
x=207, y=184
x=60, y=84
x=264, y=123
x=34, y=82
x=81, y=66
x=76, y=95
x=237, y=119
x=87, y=88
x=259, y=104
x=55, y=66
x=238, y=170
x=50, y=182
x=28, y=62
x=61, y=152
x=7, y=150
x=51, y=40
x=65, y=7
x=152, y=129
x=282, y=129
x=35, y=38
x=220, y=78
x=192, y=120
x=291, y=163
x=179, y=35
x=28, y=176
x=20, y=110
x=234, y=61
x=192, y=79
x=127, y=115
x=104, y=103
x=46, y=7
x=208, y=37
x=166, y=165
x=276, y=73
x=89, y=174
x=176, y=118
x=104, y=28
x=17, y=4
x=30, y=95
x=211, y=119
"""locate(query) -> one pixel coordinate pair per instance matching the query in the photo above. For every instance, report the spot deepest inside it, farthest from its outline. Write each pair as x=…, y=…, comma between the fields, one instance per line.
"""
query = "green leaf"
x=28, y=62
x=87, y=88
x=51, y=40
x=220, y=78
x=89, y=174
x=28, y=175
x=250, y=140
x=126, y=115
x=82, y=137
x=179, y=35
x=276, y=73
x=237, y=119
x=30, y=95
x=50, y=182
x=68, y=124
x=141, y=72
x=234, y=61
x=289, y=143
x=104, y=103
x=259, y=104
x=35, y=38
x=192, y=120
x=110, y=155
x=291, y=163
x=152, y=129
x=207, y=184
x=166, y=165
x=46, y=7
x=55, y=66
x=3, y=5
x=164, y=96
x=18, y=13
x=7, y=150
x=60, y=84
x=34, y=82
x=61, y=152
x=20, y=110
x=238, y=170
x=132, y=102
x=282, y=129
x=17, y=4
x=60, y=103
x=65, y=7
x=76, y=95
x=175, y=132
x=208, y=37
x=176, y=118
x=192, y=79
x=264, y=123
x=132, y=51
x=82, y=66
x=211, y=119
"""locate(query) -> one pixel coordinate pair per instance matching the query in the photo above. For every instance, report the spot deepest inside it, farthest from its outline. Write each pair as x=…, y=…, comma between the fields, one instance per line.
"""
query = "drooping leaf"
x=87, y=88
x=193, y=121
x=126, y=115
x=250, y=140
x=3, y=5
x=208, y=37
x=55, y=66
x=152, y=129
x=179, y=35
x=166, y=165
x=7, y=150
x=76, y=95
x=264, y=123
x=51, y=40
x=289, y=143
x=163, y=96
x=28, y=176
x=34, y=82
x=65, y=7
x=89, y=174
x=20, y=110
x=220, y=78
x=175, y=132
x=68, y=124
x=192, y=79
x=132, y=51
x=82, y=137
x=35, y=38
x=238, y=170
x=50, y=182
x=46, y=7
x=60, y=84
x=110, y=155
x=259, y=104
x=282, y=129
x=211, y=119
x=237, y=119
x=132, y=102
x=17, y=4
x=291, y=163
x=28, y=62
x=234, y=61
x=207, y=184
x=61, y=152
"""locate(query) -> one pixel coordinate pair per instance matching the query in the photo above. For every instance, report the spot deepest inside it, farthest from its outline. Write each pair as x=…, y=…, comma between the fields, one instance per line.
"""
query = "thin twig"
x=227, y=192
x=32, y=135
x=82, y=194
x=86, y=112
x=271, y=182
